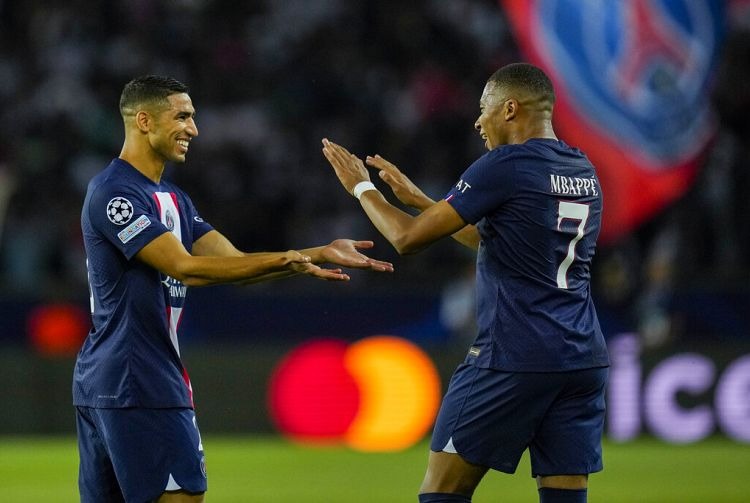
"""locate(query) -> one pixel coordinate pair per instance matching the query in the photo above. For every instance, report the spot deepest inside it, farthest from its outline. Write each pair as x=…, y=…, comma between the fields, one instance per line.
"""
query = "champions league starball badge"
x=119, y=210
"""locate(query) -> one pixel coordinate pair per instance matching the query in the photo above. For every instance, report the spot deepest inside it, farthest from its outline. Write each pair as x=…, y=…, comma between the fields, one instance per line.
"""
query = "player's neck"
x=150, y=166
x=536, y=130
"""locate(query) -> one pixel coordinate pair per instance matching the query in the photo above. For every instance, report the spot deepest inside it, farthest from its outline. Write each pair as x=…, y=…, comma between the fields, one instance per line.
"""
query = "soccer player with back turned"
x=145, y=245
x=536, y=373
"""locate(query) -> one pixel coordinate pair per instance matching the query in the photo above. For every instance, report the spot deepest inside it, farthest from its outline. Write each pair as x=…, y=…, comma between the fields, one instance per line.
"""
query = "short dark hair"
x=149, y=90
x=525, y=77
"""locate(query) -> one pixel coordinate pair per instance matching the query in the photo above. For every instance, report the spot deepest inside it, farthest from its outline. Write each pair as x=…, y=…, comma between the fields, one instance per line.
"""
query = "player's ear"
x=143, y=121
x=510, y=109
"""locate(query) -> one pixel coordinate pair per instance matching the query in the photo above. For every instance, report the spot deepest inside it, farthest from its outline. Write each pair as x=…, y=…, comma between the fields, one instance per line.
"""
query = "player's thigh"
x=569, y=439
x=154, y=450
x=489, y=417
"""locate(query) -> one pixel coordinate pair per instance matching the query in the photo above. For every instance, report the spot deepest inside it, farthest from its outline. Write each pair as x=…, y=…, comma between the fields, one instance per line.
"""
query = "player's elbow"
x=189, y=279
x=404, y=245
x=194, y=281
x=186, y=273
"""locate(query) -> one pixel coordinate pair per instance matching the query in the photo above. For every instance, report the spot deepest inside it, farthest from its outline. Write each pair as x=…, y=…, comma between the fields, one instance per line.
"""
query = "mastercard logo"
x=378, y=394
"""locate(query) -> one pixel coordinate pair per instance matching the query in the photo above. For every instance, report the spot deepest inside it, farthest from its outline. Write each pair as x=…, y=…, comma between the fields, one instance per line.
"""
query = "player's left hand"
x=345, y=252
x=348, y=167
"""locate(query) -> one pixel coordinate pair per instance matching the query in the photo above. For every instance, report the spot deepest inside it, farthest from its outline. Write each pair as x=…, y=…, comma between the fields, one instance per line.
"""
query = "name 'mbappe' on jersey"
x=573, y=185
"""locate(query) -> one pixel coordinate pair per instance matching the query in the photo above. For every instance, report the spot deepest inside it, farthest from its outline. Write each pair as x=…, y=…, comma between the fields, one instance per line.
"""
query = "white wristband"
x=362, y=187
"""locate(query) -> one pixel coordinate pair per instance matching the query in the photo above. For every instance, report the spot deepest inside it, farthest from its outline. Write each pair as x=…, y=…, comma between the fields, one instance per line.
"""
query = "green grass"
x=266, y=469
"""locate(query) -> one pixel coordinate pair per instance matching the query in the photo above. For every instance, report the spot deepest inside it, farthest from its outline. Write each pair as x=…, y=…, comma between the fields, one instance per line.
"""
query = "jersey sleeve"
x=483, y=187
x=200, y=226
x=124, y=217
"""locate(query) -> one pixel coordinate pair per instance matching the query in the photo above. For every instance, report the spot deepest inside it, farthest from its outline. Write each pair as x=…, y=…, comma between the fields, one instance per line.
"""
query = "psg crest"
x=632, y=80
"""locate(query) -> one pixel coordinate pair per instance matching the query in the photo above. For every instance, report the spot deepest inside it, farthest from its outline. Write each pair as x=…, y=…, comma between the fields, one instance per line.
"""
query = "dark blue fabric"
x=130, y=454
x=537, y=207
x=129, y=358
x=491, y=417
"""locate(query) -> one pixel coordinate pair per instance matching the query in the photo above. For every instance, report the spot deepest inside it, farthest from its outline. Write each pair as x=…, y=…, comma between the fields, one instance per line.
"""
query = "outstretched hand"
x=319, y=272
x=348, y=167
x=351, y=170
x=403, y=188
x=345, y=252
x=301, y=263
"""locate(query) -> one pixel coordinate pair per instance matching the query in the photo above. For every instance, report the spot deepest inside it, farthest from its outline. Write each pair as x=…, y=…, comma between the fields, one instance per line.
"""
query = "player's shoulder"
x=533, y=148
x=544, y=147
x=119, y=177
x=506, y=157
x=116, y=185
x=556, y=151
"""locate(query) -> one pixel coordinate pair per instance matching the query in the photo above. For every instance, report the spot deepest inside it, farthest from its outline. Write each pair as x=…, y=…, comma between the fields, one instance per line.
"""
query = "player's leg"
x=485, y=421
x=563, y=488
x=567, y=446
x=563, y=481
x=180, y=497
x=449, y=473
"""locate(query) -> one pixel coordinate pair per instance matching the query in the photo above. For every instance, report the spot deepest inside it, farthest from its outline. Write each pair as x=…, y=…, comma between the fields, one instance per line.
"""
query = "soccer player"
x=535, y=375
x=145, y=244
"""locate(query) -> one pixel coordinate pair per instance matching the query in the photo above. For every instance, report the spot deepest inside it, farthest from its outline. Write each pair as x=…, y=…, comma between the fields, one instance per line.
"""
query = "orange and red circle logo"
x=378, y=394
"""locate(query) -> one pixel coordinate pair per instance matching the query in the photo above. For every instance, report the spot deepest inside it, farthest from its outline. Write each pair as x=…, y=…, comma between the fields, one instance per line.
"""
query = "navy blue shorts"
x=490, y=418
x=134, y=455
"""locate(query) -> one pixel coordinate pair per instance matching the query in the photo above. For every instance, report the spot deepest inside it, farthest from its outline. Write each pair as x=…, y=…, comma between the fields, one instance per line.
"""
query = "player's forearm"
x=468, y=236
x=204, y=271
x=391, y=222
x=421, y=202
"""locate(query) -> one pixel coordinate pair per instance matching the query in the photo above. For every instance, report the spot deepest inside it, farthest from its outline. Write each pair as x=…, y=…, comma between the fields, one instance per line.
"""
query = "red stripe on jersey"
x=186, y=378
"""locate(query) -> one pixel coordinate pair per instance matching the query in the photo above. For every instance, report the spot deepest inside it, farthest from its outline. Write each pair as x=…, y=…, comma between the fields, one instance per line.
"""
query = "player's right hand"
x=319, y=272
x=403, y=188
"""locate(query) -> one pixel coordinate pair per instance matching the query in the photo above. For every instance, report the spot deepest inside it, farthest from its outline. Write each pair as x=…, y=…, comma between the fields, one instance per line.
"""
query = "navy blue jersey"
x=131, y=357
x=537, y=207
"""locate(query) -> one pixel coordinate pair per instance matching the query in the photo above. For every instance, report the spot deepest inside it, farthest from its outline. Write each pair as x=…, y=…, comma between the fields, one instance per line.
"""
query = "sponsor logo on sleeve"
x=134, y=229
x=119, y=210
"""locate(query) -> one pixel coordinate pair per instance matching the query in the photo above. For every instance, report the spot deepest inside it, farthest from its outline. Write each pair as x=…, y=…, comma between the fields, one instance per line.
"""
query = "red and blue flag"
x=633, y=84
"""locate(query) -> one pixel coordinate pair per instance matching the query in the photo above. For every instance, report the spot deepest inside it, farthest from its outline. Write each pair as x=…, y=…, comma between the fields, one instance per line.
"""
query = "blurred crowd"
x=269, y=79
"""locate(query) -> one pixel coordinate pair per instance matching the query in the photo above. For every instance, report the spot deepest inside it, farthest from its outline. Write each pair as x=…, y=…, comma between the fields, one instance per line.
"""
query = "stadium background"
x=402, y=79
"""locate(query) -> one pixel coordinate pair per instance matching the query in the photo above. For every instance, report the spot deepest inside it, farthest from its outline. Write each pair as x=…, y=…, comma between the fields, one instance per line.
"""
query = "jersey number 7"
x=577, y=212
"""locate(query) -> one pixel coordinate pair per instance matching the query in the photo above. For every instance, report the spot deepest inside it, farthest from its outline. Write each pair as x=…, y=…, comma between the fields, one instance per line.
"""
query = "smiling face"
x=492, y=121
x=172, y=128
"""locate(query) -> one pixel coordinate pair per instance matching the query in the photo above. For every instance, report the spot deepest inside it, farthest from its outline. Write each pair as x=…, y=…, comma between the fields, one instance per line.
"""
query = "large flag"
x=633, y=80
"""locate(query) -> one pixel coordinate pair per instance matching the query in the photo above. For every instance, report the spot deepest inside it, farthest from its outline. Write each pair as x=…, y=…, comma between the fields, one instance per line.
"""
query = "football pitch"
x=268, y=469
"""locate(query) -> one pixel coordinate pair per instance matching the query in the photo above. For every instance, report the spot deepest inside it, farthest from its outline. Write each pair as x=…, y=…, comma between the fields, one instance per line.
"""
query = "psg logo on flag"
x=119, y=210
x=632, y=80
